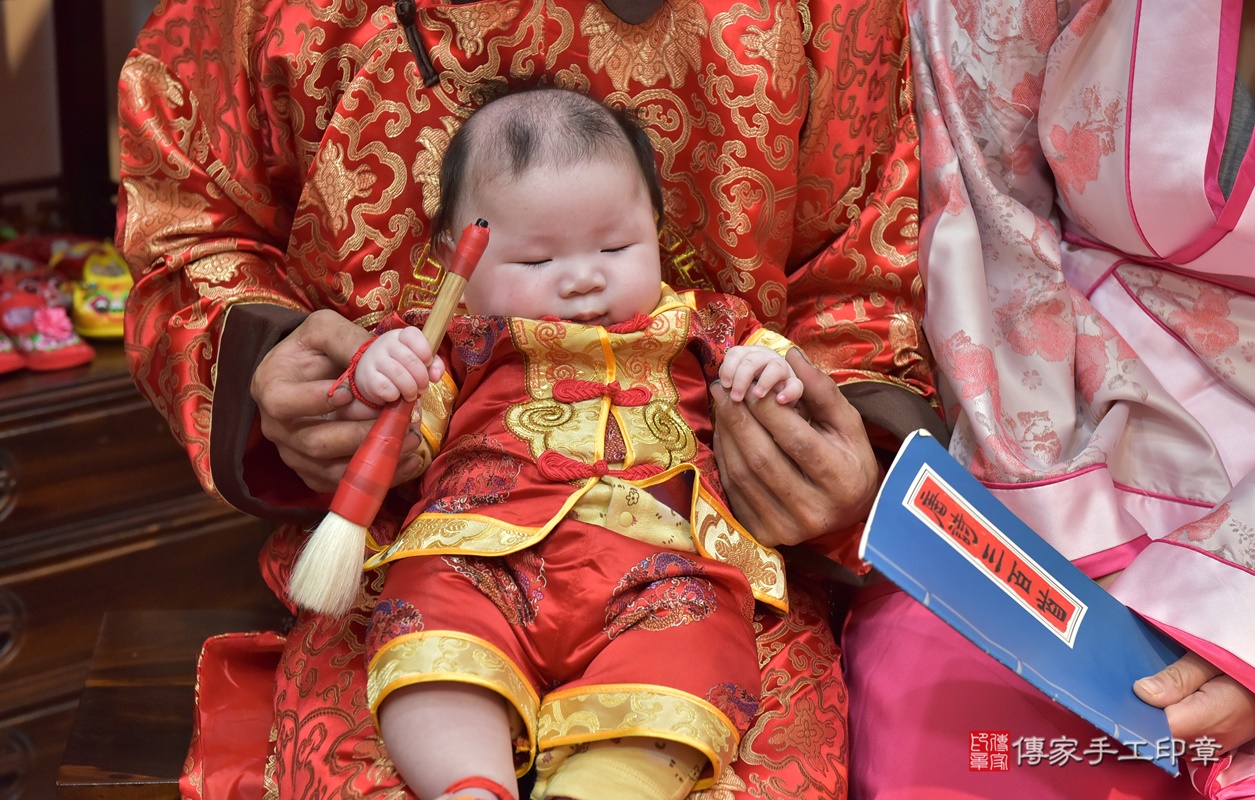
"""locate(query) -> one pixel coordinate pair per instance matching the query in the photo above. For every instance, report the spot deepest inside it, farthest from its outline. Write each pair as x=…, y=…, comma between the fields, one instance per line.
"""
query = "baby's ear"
x=443, y=245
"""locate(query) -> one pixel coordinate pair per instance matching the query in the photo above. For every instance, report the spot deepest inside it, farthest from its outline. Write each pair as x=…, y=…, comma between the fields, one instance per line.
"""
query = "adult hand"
x=315, y=434
x=792, y=475
x=1200, y=700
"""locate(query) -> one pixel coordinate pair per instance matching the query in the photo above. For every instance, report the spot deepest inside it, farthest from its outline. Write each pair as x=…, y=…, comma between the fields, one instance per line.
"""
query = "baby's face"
x=576, y=242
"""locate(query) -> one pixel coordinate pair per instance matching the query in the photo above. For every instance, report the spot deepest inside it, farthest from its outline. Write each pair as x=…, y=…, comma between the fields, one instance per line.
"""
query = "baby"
x=571, y=588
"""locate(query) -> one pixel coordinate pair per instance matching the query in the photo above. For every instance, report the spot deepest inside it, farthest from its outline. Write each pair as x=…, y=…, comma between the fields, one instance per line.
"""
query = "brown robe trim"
x=892, y=413
x=237, y=451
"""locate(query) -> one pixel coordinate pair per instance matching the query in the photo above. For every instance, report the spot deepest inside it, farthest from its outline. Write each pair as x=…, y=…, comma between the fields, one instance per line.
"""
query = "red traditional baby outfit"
x=589, y=631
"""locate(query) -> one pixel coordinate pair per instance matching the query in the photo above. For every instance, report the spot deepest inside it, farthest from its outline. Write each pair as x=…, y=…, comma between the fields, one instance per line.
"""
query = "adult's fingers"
x=1175, y=682
x=297, y=399
x=294, y=378
x=316, y=449
x=822, y=471
x=746, y=453
x=827, y=408
x=324, y=331
x=1201, y=701
x=1222, y=710
x=786, y=480
x=319, y=451
x=848, y=468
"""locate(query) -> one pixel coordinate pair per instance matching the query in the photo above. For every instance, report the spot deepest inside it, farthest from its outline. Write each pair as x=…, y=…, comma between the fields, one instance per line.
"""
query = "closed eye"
x=539, y=263
x=616, y=249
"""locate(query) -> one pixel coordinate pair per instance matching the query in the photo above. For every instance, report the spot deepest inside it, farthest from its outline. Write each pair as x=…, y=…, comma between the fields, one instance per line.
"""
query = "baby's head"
x=571, y=194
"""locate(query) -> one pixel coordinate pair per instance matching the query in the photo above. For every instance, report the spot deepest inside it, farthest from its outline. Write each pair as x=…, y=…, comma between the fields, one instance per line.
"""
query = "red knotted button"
x=572, y=390
x=556, y=467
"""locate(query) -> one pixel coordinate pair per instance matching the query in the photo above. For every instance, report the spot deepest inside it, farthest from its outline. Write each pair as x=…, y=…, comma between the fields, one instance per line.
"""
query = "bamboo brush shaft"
x=442, y=308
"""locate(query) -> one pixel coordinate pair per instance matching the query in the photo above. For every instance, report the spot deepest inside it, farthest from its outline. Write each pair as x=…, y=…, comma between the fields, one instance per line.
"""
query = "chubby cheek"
x=649, y=296
x=643, y=290
x=500, y=294
x=477, y=297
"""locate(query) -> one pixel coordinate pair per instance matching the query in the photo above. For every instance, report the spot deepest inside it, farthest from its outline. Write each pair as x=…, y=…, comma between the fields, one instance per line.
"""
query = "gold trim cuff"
x=431, y=656
x=595, y=713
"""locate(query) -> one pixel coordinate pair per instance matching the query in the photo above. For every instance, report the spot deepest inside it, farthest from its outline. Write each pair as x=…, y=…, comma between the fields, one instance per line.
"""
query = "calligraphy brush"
x=328, y=572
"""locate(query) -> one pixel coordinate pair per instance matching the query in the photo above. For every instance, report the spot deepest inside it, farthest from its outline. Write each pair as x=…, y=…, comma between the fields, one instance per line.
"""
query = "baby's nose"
x=584, y=279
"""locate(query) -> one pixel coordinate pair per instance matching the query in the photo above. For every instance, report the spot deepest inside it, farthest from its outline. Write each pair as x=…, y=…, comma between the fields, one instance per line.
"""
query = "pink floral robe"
x=1090, y=305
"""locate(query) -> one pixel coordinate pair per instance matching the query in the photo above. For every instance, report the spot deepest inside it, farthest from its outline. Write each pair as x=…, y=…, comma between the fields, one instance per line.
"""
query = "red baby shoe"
x=42, y=333
x=10, y=358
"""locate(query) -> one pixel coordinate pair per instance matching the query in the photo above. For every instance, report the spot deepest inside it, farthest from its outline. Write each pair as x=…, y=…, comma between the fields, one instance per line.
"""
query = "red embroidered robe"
x=285, y=155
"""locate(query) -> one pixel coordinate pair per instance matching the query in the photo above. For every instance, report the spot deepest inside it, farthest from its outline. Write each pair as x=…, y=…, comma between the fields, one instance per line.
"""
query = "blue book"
x=948, y=542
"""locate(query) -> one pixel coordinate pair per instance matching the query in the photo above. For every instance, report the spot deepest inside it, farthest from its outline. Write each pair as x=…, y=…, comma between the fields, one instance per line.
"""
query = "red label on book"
x=950, y=516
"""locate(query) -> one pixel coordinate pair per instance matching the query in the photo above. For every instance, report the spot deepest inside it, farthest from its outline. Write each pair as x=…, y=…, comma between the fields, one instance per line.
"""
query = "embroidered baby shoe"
x=10, y=358
x=42, y=333
x=101, y=282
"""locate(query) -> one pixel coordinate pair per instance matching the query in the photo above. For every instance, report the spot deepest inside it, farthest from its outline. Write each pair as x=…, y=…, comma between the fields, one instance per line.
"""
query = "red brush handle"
x=369, y=475
x=470, y=249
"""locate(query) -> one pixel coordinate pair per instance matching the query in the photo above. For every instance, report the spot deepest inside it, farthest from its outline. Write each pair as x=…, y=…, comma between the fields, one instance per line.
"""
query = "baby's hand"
x=764, y=369
x=398, y=364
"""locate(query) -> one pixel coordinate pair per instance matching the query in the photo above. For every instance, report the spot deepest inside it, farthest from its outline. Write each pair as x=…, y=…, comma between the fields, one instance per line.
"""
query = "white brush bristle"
x=328, y=572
